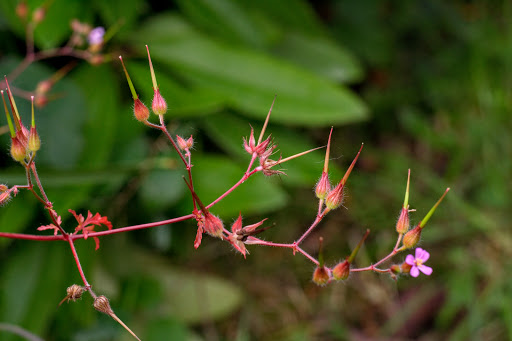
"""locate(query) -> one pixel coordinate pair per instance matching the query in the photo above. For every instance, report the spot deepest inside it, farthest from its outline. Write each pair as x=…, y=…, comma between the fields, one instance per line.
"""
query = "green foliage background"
x=424, y=84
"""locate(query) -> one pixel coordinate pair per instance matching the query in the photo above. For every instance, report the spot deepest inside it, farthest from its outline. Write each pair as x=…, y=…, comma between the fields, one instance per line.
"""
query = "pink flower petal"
x=418, y=253
x=427, y=270
x=425, y=256
x=410, y=259
x=414, y=271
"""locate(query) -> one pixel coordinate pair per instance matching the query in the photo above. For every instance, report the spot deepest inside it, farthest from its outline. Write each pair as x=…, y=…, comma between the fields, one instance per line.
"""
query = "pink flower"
x=416, y=262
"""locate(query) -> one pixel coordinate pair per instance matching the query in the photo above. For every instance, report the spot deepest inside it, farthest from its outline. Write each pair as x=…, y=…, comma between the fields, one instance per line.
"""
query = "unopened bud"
x=34, y=142
x=40, y=100
x=3, y=188
x=96, y=59
x=412, y=237
x=140, y=111
x=80, y=27
x=335, y=197
x=341, y=271
x=321, y=276
x=43, y=87
x=18, y=150
x=23, y=134
x=159, y=105
x=405, y=268
x=213, y=226
x=22, y=10
x=402, y=225
x=5, y=197
x=185, y=144
x=102, y=304
x=323, y=186
x=38, y=15
x=396, y=269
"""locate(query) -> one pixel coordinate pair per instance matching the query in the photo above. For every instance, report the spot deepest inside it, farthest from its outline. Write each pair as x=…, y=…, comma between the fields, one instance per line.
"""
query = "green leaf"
x=30, y=293
x=187, y=297
x=162, y=188
x=166, y=329
x=103, y=109
x=124, y=12
x=226, y=19
x=321, y=56
x=250, y=78
x=292, y=15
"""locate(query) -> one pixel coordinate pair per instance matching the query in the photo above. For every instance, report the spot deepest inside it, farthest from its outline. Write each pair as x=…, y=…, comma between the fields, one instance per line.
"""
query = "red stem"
x=78, y=265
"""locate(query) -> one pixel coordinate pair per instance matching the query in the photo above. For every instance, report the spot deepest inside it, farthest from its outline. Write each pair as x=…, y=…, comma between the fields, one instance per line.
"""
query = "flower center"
x=418, y=261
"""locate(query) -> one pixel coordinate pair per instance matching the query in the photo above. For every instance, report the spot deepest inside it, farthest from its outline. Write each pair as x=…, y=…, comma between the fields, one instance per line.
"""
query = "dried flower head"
x=74, y=292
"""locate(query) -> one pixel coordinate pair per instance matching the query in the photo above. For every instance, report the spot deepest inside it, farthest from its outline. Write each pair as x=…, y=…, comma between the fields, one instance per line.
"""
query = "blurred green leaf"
x=166, y=329
x=123, y=12
x=292, y=15
x=161, y=188
x=29, y=293
x=187, y=297
x=250, y=78
x=224, y=18
x=321, y=56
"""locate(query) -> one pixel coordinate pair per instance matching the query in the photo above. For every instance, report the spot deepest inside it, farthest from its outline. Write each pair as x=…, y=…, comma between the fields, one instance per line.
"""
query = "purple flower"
x=96, y=36
x=416, y=262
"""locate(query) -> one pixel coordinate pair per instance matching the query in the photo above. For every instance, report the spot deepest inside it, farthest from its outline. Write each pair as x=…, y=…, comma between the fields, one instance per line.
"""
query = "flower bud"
x=185, y=144
x=402, y=225
x=22, y=135
x=22, y=10
x=43, y=87
x=41, y=100
x=140, y=111
x=159, y=105
x=5, y=197
x=3, y=188
x=396, y=269
x=412, y=237
x=323, y=186
x=96, y=59
x=213, y=226
x=102, y=304
x=34, y=142
x=341, y=271
x=18, y=150
x=335, y=197
x=38, y=15
x=405, y=268
x=321, y=276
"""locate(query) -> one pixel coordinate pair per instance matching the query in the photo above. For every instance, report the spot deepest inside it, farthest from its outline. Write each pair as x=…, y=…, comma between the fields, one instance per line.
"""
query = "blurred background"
x=424, y=84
